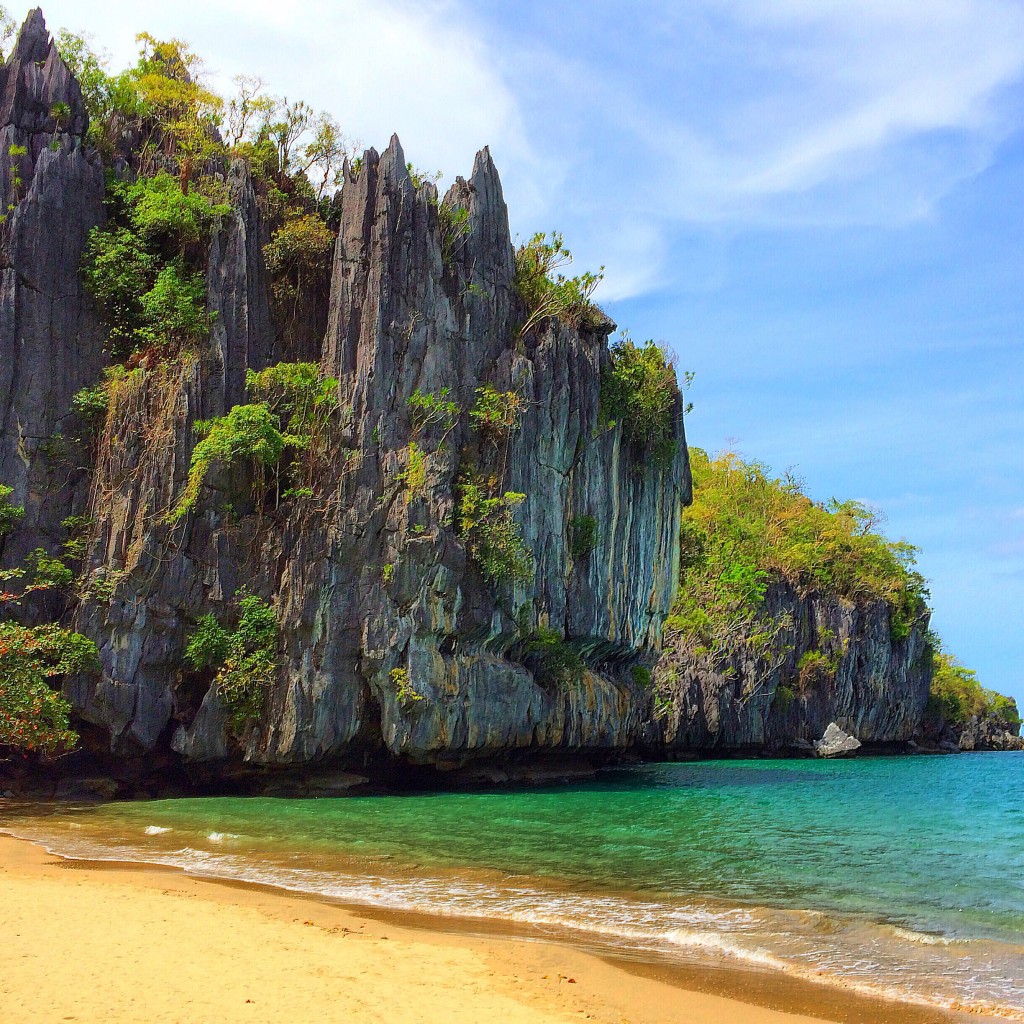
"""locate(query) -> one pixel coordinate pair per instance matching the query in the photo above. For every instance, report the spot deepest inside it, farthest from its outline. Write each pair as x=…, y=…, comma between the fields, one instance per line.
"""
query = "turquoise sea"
x=901, y=876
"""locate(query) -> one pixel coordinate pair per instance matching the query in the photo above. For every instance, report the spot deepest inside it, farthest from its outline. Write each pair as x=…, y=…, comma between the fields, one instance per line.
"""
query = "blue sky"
x=818, y=205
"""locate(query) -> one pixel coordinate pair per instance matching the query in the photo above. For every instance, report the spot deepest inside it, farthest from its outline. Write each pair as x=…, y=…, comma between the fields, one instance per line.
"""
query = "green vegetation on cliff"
x=142, y=267
x=297, y=403
x=244, y=658
x=957, y=696
x=10, y=514
x=747, y=527
x=488, y=528
x=33, y=716
x=547, y=293
x=639, y=390
x=160, y=119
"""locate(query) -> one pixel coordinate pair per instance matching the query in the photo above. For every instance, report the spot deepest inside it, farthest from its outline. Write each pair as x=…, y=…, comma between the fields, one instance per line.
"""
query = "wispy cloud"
x=790, y=113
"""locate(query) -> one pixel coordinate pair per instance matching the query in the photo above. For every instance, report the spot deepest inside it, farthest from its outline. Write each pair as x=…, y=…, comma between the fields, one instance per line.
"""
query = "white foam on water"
x=926, y=938
x=725, y=945
x=155, y=830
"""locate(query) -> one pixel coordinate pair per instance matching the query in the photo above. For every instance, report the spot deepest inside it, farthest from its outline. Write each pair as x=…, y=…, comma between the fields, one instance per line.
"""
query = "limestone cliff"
x=367, y=579
x=993, y=730
x=873, y=687
x=51, y=344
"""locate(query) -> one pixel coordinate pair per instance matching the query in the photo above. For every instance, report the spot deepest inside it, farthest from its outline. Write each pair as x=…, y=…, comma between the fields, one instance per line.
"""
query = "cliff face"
x=366, y=577
x=873, y=687
x=393, y=645
x=51, y=344
x=987, y=732
x=990, y=731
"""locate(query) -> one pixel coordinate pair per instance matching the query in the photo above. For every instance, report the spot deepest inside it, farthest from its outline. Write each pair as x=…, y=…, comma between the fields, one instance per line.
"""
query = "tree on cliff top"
x=167, y=78
x=547, y=293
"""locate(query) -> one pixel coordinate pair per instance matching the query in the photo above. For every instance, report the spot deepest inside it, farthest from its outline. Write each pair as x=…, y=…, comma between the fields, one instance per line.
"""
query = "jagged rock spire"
x=35, y=83
x=51, y=343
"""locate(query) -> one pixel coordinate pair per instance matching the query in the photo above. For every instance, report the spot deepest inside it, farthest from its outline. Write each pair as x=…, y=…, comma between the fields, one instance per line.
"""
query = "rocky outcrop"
x=986, y=733
x=243, y=335
x=995, y=728
x=371, y=581
x=153, y=573
x=868, y=684
x=394, y=647
x=51, y=344
x=979, y=732
x=38, y=94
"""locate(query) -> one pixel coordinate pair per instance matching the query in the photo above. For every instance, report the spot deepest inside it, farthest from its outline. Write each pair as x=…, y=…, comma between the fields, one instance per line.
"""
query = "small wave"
x=219, y=837
x=724, y=945
x=155, y=830
x=925, y=938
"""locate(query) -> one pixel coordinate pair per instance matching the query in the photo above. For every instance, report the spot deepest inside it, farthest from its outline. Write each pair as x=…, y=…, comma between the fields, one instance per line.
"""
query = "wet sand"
x=99, y=942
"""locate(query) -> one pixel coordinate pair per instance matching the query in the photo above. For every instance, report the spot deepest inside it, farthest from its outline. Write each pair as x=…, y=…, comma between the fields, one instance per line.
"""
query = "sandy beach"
x=94, y=942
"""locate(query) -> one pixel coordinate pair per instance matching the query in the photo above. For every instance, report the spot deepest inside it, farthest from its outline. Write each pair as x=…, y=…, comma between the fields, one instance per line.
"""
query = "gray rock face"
x=51, y=343
x=369, y=579
x=836, y=743
x=142, y=465
x=985, y=733
x=243, y=334
x=38, y=94
x=877, y=692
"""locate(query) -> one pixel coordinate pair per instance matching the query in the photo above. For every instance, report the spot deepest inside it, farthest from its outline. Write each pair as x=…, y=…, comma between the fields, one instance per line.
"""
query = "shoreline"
x=408, y=958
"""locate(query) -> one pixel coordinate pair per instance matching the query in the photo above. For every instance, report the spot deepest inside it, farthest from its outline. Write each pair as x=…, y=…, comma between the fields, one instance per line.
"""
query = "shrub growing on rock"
x=487, y=526
x=547, y=293
x=143, y=268
x=497, y=413
x=244, y=659
x=297, y=407
x=428, y=410
x=10, y=514
x=639, y=390
x=174, y=310
x=161, y=213
x=297, y=257
x=247, y=434
x=550, y=657
x=582, y=536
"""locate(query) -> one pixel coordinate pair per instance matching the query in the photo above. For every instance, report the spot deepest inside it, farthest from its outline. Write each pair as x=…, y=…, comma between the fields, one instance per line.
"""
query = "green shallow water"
x=905, y=875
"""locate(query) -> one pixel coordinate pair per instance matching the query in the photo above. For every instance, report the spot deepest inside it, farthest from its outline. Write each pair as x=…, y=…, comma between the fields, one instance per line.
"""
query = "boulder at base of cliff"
x=836, y=743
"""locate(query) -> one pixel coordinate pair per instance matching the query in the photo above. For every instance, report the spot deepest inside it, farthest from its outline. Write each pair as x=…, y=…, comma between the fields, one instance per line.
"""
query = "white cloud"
x=380, y=66
x=879, y=72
